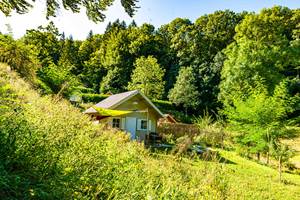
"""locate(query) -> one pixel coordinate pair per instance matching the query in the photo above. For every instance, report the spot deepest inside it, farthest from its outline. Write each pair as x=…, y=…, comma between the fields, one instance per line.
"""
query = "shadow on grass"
x=287, y=182
x=208, y=156
x=292, y=132
x=224, y=160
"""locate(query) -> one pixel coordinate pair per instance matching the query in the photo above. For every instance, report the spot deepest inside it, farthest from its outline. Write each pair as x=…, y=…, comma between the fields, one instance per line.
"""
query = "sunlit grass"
x=60, y=154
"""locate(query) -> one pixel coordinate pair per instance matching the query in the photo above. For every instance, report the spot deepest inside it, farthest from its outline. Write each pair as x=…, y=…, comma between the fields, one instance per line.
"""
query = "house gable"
x=140, y=105
x=115, y=102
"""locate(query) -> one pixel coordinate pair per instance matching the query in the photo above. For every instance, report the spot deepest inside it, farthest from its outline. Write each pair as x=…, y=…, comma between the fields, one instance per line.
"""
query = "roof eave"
x=149, y=101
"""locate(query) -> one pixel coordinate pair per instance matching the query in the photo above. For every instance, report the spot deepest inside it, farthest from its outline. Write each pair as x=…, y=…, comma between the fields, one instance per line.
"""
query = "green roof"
x=111, y=113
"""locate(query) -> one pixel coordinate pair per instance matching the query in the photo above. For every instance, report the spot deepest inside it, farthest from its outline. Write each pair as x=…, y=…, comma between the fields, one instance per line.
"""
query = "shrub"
x=20, y=57
x=170, y=108
x=163, y=105
x=82, y=89
x=59, y=79
x=95, y=98
x=178, y=129
x=211, y=132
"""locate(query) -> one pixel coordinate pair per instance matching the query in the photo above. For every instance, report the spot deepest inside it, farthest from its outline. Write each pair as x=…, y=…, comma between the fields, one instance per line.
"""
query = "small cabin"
x=130, y=111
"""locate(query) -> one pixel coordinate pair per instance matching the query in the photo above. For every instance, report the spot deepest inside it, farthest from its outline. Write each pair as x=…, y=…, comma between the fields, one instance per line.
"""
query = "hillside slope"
x=294, y=144
x=49, y=150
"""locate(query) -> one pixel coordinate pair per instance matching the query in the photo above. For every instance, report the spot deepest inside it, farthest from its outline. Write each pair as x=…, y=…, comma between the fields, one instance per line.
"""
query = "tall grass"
x=52, y=151
x=211, y=131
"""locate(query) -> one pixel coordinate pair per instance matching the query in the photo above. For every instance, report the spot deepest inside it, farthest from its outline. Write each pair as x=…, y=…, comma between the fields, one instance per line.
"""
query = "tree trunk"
x=280, y=169
x=268, y=157
x=258, y=156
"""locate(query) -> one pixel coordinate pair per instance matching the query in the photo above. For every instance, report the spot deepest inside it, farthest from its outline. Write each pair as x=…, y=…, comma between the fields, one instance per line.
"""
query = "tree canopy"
x=148, y=77
x=185, y=92
x=220, y=55
x=94, y=9
x=259, y=119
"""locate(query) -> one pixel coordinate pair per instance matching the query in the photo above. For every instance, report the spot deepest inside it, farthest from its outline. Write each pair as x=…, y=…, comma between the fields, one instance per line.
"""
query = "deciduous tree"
x=259, y=118
x=185, y=92
x=148, y=77
x=94, y=9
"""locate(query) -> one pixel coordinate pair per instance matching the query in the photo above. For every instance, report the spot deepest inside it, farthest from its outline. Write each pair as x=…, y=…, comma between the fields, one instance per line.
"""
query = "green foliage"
x=262, y=51
x=184, y=92
x=171, y=61
x=204, y=121
x=114, y=56
x=49, y=150
x=227, y=52
x=117, y=53
x=52, y=151
x=69, y=54
x=93, y=73
x=20, y=57
x=94, y=9
x=59, y=79
x=199, y=45
x=95, y=98
x=113, y=81
x=282, y=153
x=211, y=131
x=259, y=118
x=148, y=77
x=45, y=40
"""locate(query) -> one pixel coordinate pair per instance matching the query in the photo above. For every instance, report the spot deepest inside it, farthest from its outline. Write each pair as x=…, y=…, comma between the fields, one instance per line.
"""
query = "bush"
x=95, y=98
x=211, y=132
x=163, y=105
x=170, y=108
x=82, y=89
x=59, y=79
x=20, y=57
x=178, y=129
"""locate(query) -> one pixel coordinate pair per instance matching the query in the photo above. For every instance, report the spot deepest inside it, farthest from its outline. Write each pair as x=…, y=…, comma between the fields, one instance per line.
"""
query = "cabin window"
x=116, y=123
x=142, y=124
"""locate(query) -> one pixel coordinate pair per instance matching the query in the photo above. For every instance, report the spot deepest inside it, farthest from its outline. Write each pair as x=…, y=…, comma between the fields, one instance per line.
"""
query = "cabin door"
x=131, y=126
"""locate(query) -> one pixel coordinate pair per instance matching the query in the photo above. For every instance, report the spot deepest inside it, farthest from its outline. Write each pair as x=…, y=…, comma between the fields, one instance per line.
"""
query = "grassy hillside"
x=250, y=180
x=49, y=150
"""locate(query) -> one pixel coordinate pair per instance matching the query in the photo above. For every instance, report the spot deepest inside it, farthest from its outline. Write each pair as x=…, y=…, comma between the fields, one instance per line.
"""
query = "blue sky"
x=156, y=12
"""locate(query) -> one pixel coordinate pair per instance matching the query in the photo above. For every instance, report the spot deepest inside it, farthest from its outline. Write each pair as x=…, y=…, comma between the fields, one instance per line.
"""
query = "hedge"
x=94, y=98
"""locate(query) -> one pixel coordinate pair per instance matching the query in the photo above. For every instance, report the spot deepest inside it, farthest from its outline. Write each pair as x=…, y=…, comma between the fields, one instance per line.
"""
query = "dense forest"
x=201, y=65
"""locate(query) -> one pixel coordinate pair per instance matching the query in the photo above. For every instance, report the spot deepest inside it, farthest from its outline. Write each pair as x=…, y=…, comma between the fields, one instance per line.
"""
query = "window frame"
x=120, y=122
x=140, y=128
